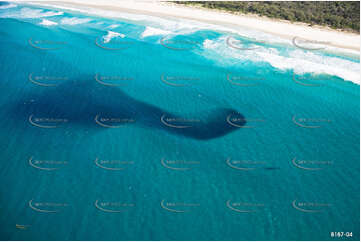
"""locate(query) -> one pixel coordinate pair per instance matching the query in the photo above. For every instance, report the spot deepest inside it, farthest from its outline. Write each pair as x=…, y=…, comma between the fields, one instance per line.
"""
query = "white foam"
x=74, y=20
x=113, y=26
x=150, y=31
x=300, y=61
x=208, y=44
x=48, y=22
x=11, y=5
x=25, y=13
x=111, y=35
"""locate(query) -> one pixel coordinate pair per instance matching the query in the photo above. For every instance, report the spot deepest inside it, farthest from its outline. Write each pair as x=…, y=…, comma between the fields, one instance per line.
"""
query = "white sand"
x=283, y=29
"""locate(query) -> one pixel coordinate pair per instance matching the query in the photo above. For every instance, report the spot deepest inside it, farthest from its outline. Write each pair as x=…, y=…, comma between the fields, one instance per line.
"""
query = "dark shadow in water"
x=95, y=106
x=272, y=168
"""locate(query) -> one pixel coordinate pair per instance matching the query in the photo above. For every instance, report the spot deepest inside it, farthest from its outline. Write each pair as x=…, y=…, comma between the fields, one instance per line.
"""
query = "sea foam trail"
x=74, y=20
x=11, y=5
x=25, y=13
x=300, y=61
x=111, y=35
x=48, y=22
x=113, y=26
x=150, y=31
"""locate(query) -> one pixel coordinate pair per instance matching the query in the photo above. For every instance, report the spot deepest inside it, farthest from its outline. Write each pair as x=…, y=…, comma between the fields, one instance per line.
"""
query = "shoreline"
x=265, y=18
x=284, y=29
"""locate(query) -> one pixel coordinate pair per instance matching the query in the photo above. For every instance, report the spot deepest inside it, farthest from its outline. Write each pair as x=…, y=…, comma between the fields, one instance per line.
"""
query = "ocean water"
x=142, y=128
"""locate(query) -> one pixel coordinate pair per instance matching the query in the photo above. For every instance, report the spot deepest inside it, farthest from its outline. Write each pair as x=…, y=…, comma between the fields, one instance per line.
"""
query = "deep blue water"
x=175, y=136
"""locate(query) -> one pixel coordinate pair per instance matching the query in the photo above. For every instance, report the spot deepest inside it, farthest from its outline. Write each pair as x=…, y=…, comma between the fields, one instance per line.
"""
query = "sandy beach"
x=284, y=29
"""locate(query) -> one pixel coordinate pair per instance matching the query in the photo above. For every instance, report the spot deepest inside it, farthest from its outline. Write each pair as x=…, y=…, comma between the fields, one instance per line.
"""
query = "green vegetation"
x=338, y=15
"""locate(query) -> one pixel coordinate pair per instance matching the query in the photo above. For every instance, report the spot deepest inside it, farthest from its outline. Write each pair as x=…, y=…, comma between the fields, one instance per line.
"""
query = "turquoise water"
x=173, y=135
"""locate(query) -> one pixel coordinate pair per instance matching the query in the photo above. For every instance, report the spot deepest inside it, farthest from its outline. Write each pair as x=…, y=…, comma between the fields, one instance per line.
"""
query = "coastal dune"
x=284, y=29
